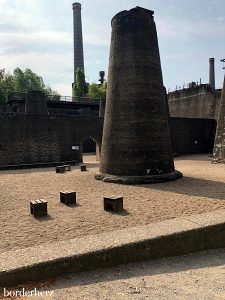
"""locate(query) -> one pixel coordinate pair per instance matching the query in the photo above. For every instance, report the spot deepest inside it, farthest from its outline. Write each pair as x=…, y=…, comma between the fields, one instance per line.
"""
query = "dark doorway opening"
x=89, y=146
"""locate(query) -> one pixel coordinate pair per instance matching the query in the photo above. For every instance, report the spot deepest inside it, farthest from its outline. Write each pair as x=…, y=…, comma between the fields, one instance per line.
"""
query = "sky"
x=38, y=34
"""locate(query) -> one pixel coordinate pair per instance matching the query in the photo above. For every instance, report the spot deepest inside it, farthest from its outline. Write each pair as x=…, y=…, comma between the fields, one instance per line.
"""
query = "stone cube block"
x=60, y=169
x=113, y=203
x=67, y=167
x=68, y=197
x=83, y=168
x=38, y=208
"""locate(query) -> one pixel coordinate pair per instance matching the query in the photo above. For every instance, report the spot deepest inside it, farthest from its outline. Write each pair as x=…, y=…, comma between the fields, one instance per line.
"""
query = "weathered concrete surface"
x=36, y=103
x=32, y=138
x=192, y=135
x=219, y=145
x=195, y=102
x=136, y=137
x=197, y=276
x=139, y=179
x=36, y=140
x=168, y=238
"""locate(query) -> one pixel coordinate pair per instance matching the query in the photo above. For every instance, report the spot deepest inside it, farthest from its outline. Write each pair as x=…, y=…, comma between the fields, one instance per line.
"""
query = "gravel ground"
x=199, y=276
x=202, y=189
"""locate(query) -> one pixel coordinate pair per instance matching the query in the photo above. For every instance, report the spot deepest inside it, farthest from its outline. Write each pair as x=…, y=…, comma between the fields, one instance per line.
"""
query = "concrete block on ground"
x=113, y=203
x=68, y=197
x=38, y=208
x=60, y=169
x=67, y=167
x=83, y=168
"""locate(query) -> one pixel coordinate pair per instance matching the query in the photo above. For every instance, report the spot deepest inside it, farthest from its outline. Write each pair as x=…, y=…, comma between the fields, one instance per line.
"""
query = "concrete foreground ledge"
x=139, y=179
x=168, y=238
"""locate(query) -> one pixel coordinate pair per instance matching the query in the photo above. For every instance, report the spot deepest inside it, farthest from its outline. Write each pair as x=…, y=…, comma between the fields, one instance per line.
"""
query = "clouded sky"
x=38, y=34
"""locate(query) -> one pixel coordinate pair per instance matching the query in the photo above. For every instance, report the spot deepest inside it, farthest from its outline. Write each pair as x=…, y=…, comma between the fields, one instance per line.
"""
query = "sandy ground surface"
x=202, y=189
x=199, y=276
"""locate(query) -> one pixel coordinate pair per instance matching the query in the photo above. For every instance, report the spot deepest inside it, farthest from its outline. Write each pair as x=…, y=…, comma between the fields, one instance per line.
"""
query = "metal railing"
x=22, y=96
x=189, y=85
x=72, y=99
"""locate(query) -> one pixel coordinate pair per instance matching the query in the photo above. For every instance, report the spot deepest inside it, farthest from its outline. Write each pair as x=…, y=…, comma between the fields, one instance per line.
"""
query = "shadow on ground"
x=194, y=157
x=199, y=260
x=138, y=279
x=92, y=165
x=192, y=187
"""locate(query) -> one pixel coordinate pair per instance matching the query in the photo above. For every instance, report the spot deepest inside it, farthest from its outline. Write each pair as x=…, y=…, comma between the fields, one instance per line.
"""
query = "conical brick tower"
x=136, y=146
x=219, y=145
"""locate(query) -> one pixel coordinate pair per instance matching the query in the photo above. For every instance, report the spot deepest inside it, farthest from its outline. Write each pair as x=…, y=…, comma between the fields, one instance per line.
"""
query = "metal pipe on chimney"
x=77, y=38
x=212, y=73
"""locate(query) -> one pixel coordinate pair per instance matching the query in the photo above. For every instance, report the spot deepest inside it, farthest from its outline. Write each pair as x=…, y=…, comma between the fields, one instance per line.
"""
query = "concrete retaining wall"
x=28, y=139
x=196, y=102
x=157, y=240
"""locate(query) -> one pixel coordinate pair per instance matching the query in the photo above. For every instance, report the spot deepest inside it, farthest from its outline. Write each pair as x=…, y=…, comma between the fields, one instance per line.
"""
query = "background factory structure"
x=58, y=132
x=197, y=100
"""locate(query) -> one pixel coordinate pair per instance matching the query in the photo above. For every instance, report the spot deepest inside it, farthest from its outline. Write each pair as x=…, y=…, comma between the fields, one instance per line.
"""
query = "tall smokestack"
x=212, y=73
x=77, y=38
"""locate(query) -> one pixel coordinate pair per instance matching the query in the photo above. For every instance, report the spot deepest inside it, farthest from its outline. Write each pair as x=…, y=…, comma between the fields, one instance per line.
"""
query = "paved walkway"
x=199, y=276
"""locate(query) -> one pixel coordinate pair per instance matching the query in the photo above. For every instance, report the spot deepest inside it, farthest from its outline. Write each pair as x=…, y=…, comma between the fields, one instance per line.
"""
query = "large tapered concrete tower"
x=136, y=146
x=219, y=144
x=77, y=37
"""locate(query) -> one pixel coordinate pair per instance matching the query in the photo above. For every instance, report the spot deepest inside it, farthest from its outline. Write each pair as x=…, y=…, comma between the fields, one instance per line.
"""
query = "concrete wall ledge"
x=38, y=165
x=168, y=238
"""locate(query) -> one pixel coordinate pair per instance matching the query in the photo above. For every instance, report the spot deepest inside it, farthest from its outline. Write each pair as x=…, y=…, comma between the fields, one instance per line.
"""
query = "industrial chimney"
x=136, y=146
x=212, y=73
x=77, y=38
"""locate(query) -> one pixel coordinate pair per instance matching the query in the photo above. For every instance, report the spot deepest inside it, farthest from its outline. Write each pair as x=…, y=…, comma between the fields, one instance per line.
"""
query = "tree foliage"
x=27, y=80
x=21, y=81
x=6, y=85
x=97, y=91
x=80, y=87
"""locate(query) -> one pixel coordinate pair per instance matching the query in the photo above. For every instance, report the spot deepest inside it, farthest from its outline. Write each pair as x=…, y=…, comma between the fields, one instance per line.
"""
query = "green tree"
x=48, y=91
x=25, y=81
x=22, y=81
x=2, y=96
x=6, y=85
x=97, y=91
x=80, y=87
